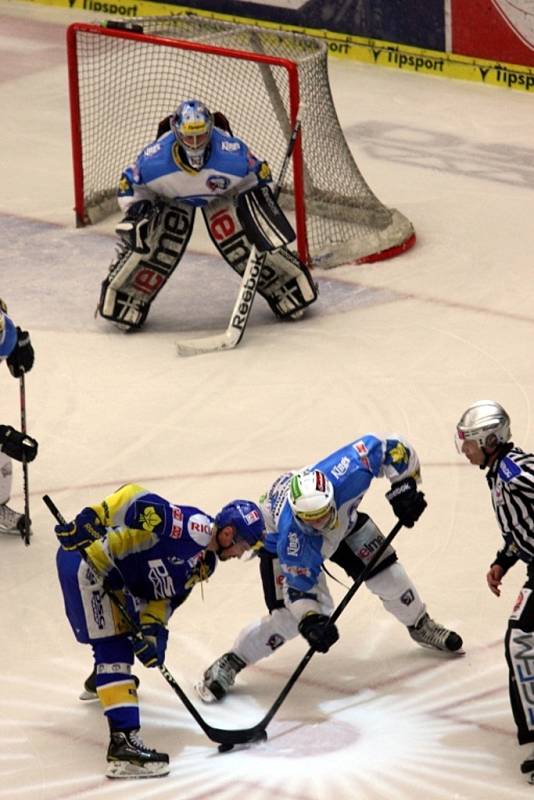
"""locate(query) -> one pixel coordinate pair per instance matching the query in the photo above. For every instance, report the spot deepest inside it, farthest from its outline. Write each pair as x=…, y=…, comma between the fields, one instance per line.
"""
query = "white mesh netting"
x=126, y=87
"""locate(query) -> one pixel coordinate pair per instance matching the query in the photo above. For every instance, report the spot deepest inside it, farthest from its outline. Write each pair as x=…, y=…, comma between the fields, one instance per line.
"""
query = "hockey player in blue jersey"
x=311, y=516
x=16, y=348
x=153, y=552
x=196, y=162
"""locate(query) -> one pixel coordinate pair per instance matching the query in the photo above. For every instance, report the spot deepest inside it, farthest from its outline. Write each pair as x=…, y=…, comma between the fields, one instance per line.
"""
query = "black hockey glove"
x=317, y=632
x=80, y=533
x=150, y=649
x=407, y=502
x=136, y=226
x=17, y=445
x=22, y=357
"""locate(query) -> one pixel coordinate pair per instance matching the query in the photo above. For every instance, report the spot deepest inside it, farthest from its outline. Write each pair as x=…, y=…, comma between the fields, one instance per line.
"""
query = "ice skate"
x=89, y=687
x=428, y=633
x=128, y=757
x=10, y=521
x=219, y=678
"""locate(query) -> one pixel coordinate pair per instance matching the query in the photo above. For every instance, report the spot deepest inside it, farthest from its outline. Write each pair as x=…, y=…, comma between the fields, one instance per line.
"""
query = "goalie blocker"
x=135, y=278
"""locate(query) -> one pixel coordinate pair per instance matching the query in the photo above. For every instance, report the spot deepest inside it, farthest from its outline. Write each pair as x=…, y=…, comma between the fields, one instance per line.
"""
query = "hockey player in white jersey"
x=312, y=515
x=17, y=350
x=195, y=162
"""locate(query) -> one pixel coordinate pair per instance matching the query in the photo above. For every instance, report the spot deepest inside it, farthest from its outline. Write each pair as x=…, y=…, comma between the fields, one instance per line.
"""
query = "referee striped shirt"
x=511, y=481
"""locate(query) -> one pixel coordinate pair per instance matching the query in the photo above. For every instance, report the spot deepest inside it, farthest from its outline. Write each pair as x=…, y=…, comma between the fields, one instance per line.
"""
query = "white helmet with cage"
x=311, y=498
x=192, y=124
x=486, y=423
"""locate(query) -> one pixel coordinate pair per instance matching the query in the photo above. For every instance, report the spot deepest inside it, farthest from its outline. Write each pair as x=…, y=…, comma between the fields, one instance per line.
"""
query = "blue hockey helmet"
x=246, y=519
x=192, y=124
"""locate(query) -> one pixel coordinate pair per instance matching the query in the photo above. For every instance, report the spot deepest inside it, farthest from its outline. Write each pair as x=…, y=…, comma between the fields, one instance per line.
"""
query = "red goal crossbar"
x=182, y=44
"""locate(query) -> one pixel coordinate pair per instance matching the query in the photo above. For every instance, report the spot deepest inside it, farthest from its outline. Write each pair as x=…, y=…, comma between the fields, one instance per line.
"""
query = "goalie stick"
x=257, y=733
x=247, y=290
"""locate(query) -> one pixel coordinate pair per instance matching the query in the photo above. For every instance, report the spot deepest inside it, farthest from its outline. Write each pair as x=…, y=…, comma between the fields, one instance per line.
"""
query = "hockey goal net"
x=124, y=80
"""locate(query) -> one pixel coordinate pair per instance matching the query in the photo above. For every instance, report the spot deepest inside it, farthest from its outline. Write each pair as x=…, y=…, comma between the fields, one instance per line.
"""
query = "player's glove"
x=317, y=632
x=80, y=533
x=17, y=445
x=136, y=226
x=22, y=357
x=407, y=502
x=150, y=648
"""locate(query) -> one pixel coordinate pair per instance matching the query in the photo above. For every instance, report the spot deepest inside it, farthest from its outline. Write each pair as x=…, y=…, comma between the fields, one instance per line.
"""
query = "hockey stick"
x=247, y=291
x=257, y=733
x=25, y=532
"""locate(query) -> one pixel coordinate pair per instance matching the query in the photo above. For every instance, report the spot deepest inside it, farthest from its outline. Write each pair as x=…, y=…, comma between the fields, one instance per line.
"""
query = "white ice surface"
x=400, y=346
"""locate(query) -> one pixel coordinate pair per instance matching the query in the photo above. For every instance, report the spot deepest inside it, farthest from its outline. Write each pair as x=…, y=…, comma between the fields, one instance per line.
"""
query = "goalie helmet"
x=311, y=498
x=192, y=124
x=246, y=519
x=486, y=423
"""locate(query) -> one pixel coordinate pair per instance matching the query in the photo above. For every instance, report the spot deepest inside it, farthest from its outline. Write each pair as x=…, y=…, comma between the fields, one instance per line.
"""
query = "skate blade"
x=204, y=693
x=124, y=769
x=87, y=696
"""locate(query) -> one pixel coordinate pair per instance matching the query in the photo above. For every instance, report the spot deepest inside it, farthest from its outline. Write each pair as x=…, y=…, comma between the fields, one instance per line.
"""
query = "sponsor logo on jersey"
x=365, y=552
x=199, y=528
x=230, y=147
x=341, y=467
x=177, y=523
x=217, y=183
x=160, y=579
x=152, y=149
x=294, y=570
x=508, y=470
x=293, y=544
x=362, y=452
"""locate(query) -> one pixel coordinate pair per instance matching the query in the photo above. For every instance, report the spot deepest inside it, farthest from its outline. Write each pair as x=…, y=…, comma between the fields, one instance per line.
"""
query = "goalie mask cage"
x=123, y=82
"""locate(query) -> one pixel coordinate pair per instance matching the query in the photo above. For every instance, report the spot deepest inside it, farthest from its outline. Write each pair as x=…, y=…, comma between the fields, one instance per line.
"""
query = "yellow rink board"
x=354, y=48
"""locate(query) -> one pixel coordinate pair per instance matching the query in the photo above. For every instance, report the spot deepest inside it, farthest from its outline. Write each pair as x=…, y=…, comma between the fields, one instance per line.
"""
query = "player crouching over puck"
x=151, y=553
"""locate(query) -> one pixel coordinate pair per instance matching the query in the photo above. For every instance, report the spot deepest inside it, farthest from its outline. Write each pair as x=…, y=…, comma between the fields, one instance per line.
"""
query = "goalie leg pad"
x=285, y=282
x=263, y=221
x=134, y=279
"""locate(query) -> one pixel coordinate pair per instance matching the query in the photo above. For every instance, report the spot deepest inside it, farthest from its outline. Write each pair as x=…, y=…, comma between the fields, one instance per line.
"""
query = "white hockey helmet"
x=311, y=498
x=192, y=124
x=486, y=423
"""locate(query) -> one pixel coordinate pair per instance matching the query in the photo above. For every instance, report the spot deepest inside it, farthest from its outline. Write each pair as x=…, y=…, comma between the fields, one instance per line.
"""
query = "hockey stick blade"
x=240, y=314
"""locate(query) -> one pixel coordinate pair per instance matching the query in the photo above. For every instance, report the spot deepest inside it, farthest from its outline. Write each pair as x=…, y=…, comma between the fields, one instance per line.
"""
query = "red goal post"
x=122, y=82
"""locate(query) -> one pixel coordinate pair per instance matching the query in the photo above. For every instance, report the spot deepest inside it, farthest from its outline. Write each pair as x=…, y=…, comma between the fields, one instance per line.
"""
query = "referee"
x=483, y=436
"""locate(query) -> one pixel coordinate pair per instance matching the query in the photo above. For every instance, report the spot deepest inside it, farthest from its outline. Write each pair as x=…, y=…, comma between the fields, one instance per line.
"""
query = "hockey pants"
x=388, y=581
x=519, y=651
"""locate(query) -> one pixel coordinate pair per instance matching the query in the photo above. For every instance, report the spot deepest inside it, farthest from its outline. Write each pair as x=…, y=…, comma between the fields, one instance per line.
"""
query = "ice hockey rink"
x=399, y=346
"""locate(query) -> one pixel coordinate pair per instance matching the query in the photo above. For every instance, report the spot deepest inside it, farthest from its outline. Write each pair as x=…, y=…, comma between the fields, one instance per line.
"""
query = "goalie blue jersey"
x=351, y=469
x=160, y=171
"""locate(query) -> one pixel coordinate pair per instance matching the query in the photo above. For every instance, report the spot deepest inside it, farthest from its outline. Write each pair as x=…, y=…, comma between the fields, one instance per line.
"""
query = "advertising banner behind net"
x=498, y=30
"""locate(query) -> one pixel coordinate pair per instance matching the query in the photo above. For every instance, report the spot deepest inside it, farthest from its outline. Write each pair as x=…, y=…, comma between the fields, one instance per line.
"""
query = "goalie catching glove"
x=135, y=228
x=407, y=502
x=318, y=632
